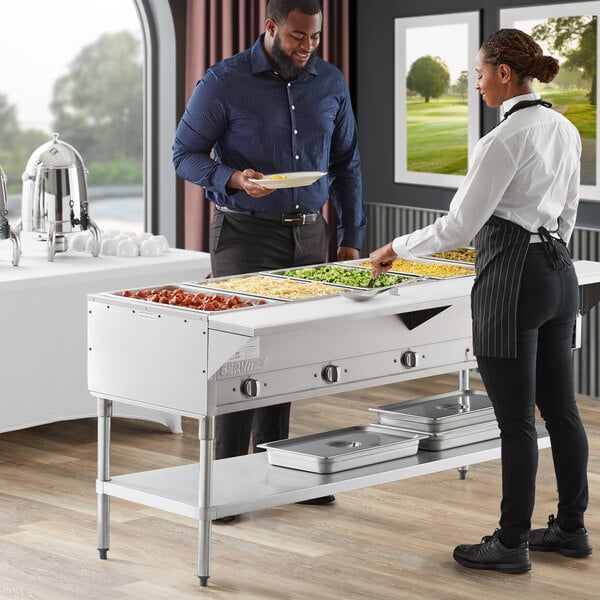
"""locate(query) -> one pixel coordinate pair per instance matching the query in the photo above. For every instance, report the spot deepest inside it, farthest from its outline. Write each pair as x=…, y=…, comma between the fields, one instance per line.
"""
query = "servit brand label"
x=245, y=360
x=242, y=367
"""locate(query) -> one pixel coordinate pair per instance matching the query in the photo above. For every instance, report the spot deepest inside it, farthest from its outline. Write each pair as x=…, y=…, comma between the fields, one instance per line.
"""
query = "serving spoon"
x=369, y=290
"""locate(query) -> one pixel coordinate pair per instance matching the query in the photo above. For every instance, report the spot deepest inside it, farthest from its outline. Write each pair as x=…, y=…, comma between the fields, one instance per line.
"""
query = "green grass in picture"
x=574, y=104
x=436, y=135
x=436, y=132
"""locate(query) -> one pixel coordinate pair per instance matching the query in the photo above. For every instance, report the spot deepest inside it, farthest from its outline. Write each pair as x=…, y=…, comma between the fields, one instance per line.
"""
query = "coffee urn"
x=54, y=201
x=6, y=231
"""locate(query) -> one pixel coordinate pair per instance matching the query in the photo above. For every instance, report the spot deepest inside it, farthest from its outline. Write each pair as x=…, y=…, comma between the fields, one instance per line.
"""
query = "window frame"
x=402, y=24
x=509, y=16
x=160, y=109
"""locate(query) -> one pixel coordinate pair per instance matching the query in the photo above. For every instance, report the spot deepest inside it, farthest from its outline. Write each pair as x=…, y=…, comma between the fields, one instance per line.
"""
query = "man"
x=273, y=108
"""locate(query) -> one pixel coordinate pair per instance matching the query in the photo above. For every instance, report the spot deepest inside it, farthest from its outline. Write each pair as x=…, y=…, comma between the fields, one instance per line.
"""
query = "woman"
x=518, y=202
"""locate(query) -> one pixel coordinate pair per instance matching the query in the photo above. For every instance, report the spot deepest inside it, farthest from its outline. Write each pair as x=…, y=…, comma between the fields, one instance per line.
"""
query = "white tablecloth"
x=43, y=328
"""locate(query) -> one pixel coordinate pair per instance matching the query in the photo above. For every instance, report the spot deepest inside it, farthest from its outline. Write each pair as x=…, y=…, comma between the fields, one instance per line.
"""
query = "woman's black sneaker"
x=493, y=555
x=555, y=539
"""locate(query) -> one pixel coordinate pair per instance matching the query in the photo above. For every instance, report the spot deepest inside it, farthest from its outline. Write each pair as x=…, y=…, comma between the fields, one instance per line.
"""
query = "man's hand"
x=347, y=253
x=240, y=180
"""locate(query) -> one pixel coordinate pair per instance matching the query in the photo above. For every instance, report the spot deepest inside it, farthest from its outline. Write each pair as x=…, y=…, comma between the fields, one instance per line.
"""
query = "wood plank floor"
x=394, y=541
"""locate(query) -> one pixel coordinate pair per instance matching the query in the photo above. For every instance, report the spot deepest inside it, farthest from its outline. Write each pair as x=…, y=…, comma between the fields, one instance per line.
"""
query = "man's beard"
x=286, y=65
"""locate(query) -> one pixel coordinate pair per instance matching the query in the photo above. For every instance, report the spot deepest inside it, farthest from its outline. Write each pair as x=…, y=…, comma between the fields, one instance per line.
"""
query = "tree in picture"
x=573, y=40
x=428, y=76
x=461, y=85
x=436, y=132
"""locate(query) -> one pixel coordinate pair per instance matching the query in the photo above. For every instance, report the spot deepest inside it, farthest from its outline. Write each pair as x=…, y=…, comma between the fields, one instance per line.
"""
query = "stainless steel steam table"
x=205, y=364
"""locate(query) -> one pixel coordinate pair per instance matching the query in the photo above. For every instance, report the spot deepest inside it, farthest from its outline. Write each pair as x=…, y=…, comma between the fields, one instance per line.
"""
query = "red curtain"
x=217, y=29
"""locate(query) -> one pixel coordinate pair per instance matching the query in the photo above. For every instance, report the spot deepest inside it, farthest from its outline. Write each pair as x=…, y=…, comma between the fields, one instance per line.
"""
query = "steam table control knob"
x=249, y=387
x=330, y=374
x=409, y=359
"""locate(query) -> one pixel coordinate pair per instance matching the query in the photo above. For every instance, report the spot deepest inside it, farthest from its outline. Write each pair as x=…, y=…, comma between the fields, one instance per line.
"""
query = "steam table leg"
x=103, y=516
x=463, y=386
x=206, y=434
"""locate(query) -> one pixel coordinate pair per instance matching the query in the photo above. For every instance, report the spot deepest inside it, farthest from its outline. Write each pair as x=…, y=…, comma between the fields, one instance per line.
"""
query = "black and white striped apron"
x=501, y=250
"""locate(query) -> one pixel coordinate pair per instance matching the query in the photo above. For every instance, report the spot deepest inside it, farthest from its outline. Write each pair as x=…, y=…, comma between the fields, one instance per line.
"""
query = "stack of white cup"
x=127, y=245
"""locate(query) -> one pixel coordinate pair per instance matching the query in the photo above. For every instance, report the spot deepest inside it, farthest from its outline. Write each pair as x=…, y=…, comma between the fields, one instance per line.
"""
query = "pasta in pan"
x=274, y=287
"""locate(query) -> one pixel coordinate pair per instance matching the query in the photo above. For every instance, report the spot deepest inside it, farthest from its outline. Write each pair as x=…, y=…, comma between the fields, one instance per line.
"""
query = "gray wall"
x=374, y=97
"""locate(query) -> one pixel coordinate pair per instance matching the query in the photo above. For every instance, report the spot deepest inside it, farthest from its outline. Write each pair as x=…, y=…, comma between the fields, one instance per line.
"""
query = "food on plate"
x=344, y=276
x=274, y=287
x=199, y=300
x=459, y=254
x=275, y=177
x=431, y=269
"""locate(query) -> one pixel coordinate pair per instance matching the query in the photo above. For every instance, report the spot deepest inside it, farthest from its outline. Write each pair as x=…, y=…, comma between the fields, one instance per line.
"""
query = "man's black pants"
x=243, y=244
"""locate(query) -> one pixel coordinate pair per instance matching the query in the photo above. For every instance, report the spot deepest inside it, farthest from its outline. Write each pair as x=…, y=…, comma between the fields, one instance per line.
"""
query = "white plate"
x=278, y=181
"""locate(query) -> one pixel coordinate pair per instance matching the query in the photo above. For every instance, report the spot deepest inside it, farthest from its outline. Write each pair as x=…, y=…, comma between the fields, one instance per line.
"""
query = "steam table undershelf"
x=246, y=483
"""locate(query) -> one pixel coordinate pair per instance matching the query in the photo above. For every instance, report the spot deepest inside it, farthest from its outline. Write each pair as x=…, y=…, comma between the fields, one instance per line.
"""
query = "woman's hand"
x=382, y=259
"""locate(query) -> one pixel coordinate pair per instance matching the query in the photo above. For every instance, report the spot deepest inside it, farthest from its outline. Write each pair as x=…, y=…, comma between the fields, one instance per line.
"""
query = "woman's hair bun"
x=544, y=68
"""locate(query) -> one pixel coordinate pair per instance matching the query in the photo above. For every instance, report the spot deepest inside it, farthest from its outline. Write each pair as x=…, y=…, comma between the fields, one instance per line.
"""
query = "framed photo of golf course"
x=436, y=103
x=569, y=33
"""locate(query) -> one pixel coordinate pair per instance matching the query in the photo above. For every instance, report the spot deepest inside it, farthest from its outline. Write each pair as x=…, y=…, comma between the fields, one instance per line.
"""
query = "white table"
x=43, y=327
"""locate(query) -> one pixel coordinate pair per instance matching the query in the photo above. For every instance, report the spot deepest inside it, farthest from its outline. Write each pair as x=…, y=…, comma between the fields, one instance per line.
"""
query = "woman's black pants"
x=541, y=375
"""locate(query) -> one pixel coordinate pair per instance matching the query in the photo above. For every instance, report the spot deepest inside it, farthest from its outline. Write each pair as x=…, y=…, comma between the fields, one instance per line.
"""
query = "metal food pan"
x=462, y=263
x=434, y=414
x=238, y=280
x=346, y=266
x=342, y=449
x=462, y=436
x=361, y=263
x=192, y=290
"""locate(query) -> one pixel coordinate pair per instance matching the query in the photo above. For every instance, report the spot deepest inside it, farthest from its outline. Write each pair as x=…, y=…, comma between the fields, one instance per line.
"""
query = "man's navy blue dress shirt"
x=250, y=117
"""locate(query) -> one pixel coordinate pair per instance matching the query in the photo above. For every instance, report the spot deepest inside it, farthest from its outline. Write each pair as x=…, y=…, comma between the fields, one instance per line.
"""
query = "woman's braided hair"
x=521, y=53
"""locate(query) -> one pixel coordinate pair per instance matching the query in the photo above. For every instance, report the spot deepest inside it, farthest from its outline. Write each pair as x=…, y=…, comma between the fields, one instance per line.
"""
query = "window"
x=569, y=33
x=437, y=106
x=77, y=68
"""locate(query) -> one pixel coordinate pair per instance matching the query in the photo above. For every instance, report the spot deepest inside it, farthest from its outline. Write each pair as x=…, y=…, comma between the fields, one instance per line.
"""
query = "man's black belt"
x=288, y=220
